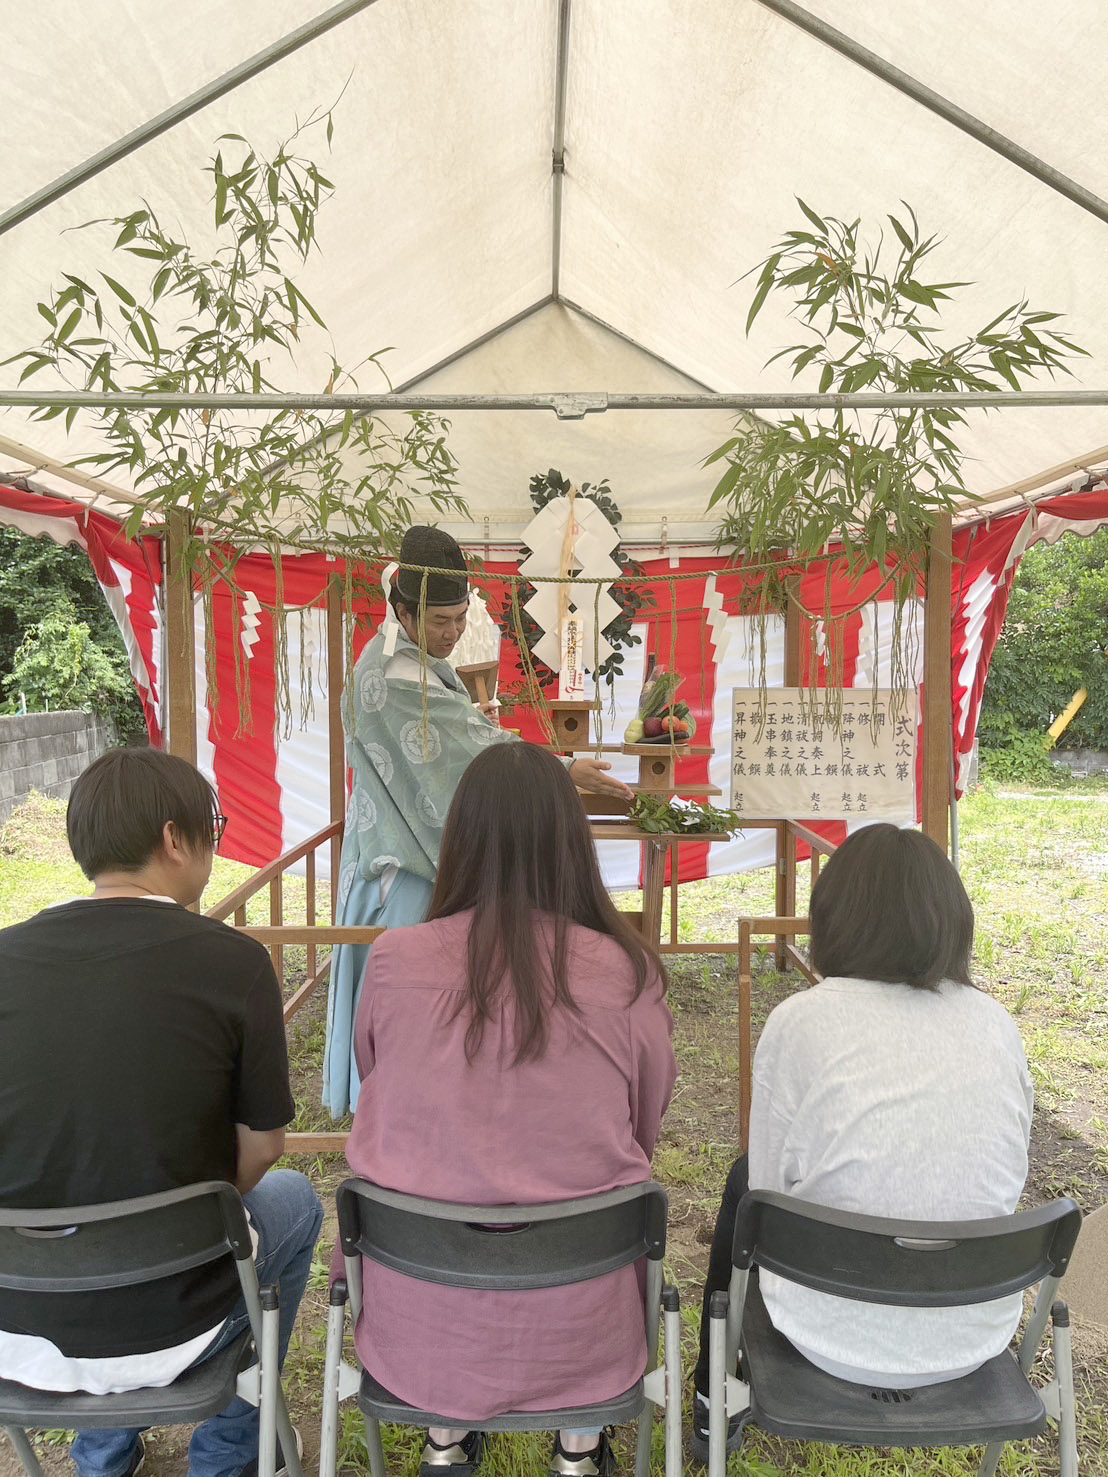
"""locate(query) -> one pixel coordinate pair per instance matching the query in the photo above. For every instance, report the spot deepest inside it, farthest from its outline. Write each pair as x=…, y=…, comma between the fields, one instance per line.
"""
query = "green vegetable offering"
x=660, y=719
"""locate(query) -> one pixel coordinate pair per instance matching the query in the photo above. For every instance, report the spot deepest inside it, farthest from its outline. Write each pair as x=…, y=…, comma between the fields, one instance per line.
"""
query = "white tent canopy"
x=689, y=126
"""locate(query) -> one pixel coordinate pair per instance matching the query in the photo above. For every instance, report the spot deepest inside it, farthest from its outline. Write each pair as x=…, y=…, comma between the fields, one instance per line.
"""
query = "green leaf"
x=119, y=290
x=69, y=325
x=820, y=225
x=902, y=235
x=765, y=282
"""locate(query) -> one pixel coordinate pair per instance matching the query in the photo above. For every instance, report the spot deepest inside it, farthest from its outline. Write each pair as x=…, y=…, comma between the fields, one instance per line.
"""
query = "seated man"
x=144, y=1050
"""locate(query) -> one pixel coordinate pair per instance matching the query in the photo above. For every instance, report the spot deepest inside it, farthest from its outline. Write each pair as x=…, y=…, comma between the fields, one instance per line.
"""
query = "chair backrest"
x=503, y=1247
x=123, y=1243
x=928, y=1264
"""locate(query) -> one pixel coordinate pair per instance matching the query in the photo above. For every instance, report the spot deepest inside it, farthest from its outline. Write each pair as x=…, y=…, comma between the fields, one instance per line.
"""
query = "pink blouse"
x=580, y=1120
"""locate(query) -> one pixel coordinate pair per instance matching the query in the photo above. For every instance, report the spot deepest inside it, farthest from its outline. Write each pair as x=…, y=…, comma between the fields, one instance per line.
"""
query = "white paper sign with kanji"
x=794, y=767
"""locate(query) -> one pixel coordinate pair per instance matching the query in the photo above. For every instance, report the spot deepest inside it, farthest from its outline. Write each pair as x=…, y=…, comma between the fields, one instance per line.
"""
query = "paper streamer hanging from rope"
x=251, y=613
x=716, y=618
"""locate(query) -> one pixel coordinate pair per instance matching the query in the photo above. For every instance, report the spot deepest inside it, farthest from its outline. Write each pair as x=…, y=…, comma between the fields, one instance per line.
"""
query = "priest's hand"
x=589, y=774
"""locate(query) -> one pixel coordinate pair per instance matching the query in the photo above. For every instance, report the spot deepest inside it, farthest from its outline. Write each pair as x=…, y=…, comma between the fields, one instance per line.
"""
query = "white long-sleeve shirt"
x=891, y=1101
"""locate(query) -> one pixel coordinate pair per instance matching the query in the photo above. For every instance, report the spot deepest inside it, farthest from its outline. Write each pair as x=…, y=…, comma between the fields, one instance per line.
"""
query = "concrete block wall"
x=46, y=752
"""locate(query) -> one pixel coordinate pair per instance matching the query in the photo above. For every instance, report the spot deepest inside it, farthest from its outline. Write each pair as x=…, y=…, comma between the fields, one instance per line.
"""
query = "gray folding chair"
x=127, y=1243
x=549, y=1246
x=917, y=1264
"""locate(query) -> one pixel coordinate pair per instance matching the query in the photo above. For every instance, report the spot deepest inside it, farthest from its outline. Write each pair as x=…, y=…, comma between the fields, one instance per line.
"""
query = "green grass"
x=1036, y=868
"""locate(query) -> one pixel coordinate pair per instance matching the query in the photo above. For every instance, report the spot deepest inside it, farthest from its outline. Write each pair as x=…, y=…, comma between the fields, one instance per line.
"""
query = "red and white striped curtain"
x=273, y=778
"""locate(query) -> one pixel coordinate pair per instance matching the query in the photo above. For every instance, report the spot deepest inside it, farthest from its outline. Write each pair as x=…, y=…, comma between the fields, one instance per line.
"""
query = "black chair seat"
x=796, y=1400
x=374, y=1400
x=200, y=1392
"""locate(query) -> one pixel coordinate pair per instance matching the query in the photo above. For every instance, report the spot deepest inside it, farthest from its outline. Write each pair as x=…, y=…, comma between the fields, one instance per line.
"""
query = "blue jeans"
x=287, y=1216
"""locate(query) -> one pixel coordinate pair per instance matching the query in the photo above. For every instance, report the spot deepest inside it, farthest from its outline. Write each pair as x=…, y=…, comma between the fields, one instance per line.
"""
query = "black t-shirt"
x=135, y=1035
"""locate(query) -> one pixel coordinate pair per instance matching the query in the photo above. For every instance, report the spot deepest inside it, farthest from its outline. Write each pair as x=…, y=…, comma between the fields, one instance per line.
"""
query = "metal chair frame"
x=904, y=1264
x=450, y=1244
x=127, y=1243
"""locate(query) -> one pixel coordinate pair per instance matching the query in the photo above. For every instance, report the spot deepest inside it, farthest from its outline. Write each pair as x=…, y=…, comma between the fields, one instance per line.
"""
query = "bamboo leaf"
x=119, y=290
x=902, y=235
x=69, y=325
x=765, y=282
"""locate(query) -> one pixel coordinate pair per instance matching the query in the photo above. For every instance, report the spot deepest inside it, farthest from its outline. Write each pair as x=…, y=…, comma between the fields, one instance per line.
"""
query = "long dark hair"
x=517, y=842
x=890, y=906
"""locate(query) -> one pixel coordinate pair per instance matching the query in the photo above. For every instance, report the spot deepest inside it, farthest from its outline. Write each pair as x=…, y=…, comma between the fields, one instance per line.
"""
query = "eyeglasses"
x=219, y=825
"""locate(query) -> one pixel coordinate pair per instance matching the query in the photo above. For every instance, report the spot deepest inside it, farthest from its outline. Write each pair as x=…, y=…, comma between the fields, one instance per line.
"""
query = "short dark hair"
x=890, y=906
x=120, y=804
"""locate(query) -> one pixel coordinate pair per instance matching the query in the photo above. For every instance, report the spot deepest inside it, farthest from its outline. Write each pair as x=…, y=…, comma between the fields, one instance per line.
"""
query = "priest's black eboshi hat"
x=431, y=548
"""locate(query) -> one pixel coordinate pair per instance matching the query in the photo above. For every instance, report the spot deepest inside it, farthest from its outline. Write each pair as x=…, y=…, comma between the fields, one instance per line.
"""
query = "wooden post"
x=937, y=731
x=785, y=901
x=180, y=644
x=746, y=1050
x=336, y=744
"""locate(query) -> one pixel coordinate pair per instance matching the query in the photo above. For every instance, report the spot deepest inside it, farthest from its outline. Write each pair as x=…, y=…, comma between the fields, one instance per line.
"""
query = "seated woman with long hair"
x=891, y=1088
x=514, y=1049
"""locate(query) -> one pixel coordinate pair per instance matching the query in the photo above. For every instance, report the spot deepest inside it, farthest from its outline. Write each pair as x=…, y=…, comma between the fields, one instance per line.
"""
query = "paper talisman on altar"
x=792, y=764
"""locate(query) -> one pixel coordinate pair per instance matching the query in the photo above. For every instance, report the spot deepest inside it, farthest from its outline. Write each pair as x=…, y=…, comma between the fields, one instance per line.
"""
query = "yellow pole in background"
x=1067, y=715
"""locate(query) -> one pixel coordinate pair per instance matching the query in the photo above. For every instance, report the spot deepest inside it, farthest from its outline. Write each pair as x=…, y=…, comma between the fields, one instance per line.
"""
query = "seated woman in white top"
x=894, y=1087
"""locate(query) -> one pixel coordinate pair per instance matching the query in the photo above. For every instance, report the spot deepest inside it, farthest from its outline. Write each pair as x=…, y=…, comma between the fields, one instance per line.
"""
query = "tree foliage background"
x=59, y=644
x=1055, y=640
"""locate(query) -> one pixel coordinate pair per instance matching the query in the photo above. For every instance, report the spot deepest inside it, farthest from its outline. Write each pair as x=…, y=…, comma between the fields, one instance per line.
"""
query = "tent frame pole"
x=928, y=98
x=185, y=108
x=558, y=156
x=566, y=404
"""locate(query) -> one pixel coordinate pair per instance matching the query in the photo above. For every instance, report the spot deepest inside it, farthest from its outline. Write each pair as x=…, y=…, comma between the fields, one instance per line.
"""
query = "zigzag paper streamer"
x=716, y=618
x=251, y=612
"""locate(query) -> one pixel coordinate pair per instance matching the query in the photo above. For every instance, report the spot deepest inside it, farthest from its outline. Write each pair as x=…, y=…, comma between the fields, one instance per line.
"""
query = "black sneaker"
x=599, y=1462
x=459, y=1459
x=251, y=1469
x=138, y=1458
x=698, y=1436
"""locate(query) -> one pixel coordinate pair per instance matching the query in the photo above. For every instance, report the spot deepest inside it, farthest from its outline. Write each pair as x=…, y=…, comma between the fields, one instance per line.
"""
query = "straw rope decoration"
x=905, y=639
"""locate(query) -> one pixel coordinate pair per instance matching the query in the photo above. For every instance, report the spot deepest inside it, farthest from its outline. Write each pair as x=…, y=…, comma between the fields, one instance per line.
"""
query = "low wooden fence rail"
x=312, y=935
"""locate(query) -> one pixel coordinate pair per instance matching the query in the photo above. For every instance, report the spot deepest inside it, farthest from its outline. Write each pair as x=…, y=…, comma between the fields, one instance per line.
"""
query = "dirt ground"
x=1038, y=876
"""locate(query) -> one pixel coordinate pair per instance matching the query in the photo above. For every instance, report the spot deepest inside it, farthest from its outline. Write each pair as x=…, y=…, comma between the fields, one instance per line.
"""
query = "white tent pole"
x=217, y=88
x=558, y=159
x=567, y=405
x=36, y=461
x=928, y=98
x=1091, y=461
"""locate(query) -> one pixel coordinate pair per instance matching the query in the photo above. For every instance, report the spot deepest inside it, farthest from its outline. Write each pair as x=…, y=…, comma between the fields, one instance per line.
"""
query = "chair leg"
x=644, y=1437
x=671, y=1305
x=24, y=1450
x=1067, y=1405
x=270, y=1389
x=717, y=1385
x=287, y=1436
x=329, y=1427
x=373, y=1444
x=990, y=1459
